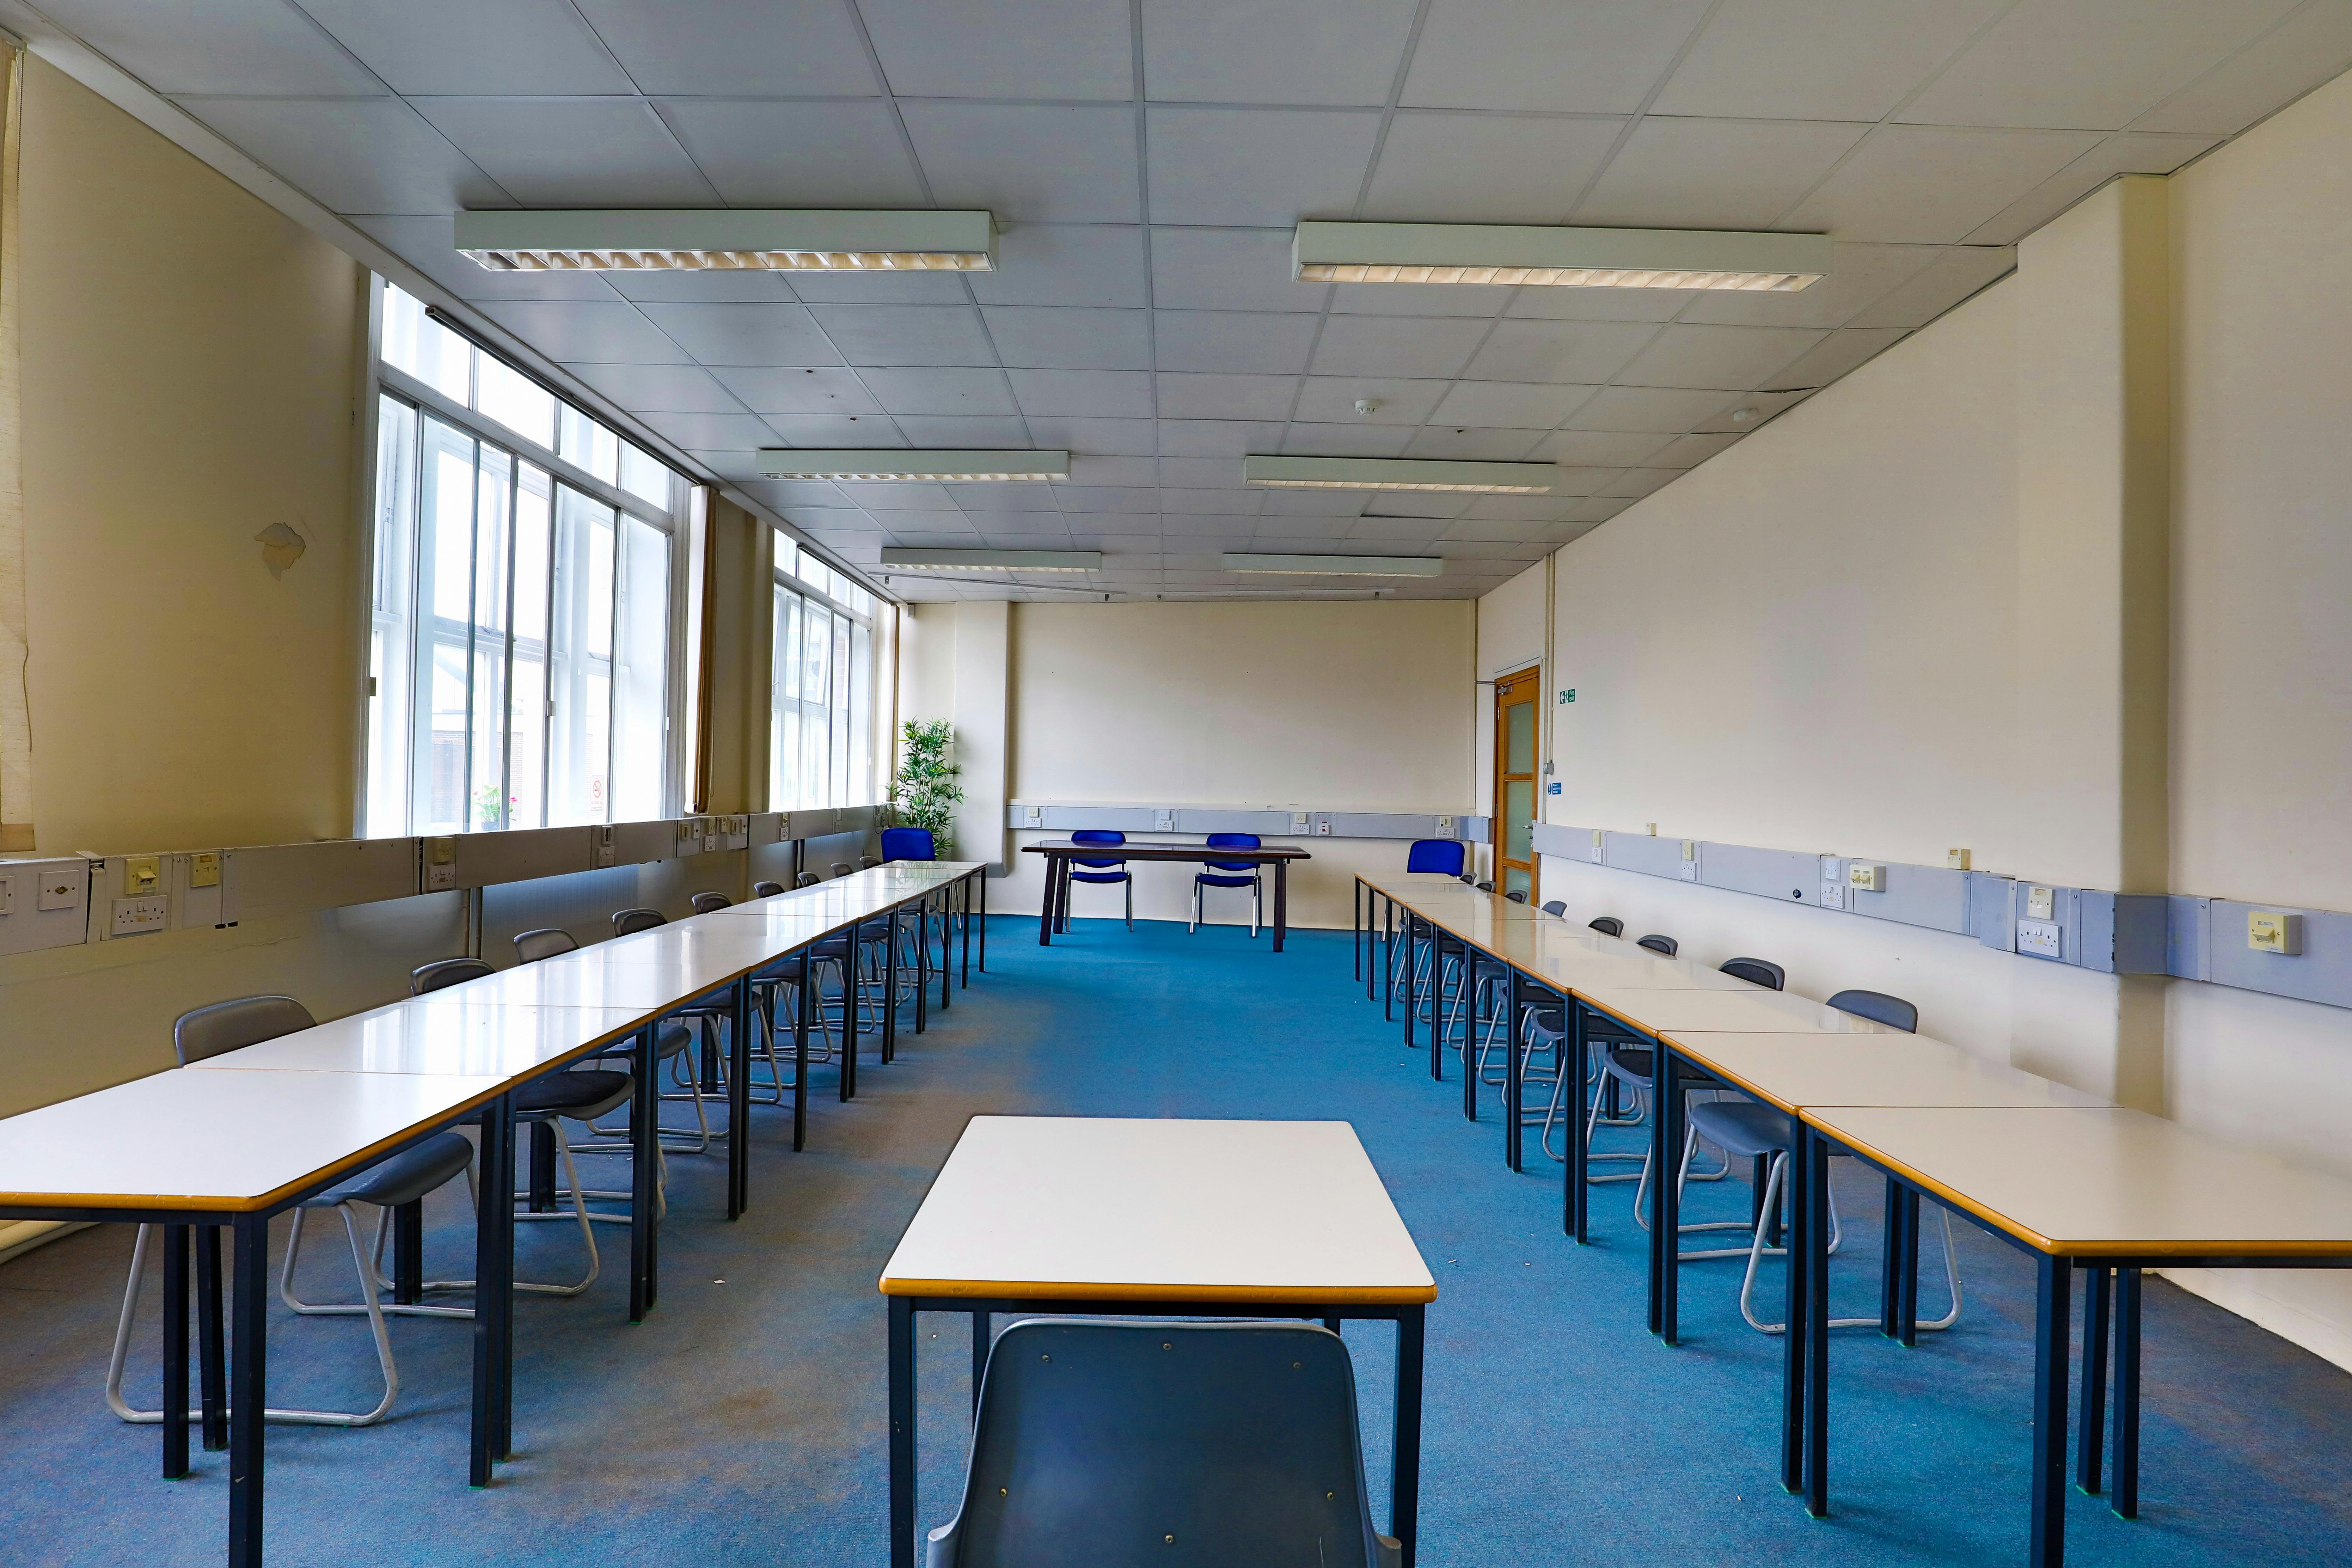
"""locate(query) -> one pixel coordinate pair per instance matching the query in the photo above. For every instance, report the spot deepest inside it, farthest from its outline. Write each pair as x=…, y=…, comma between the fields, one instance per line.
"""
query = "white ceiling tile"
x=1191, y=397
x=1508, y=405
x=1638, y=482
x=1030, y=163
x=1113, y=471
x=2311, y=47
x=1397, y=345
x=931, y=390
x=1471, y=445
x=1715, y=174
x=213, y=45
x=1930, y=184
x=1132, y=437
x=1586, y=352
x=731, y=466
x=745, y=334
x=849, y=432
x=995, y=541
x=1249, y=166
x=700, y=285
x=1317, y=503
x=1601, y=509
x=354, y=155
x=1733, y=357
x=906, y=334
x=1228, y=269
x=445, y=46
x=560, y=152
x=664, y=388
x=1087, y=394
x=882, y=498
x=1211, y=502
x=429, y=245
x=1243, y=51
x=1256, y=341
x=586, y=332
x=1217, y=438
x=1298, y=535
x=797, y=492
x=2095, y=63
x=1106, y=498
x=1201, y=473
x=1598, y=448
x=1756, y=408
x=1485, y=168
x=753, y=50
x=785, y=389
x=724, y=430
x=881, y=288
x=1859, y=274
x=1952, y=276
x=1054, y=264
x=1418, y=300
x=1555, y=304
x=1003, y=497
x=1053, y=339
x=1818, y=60
x=1331, y=441
x=1421, y=531
x=2127, y=152
x=841, y=155
x=957, y=433
x=1689, y=451
x=1650, y=408
x=1142, y=527
x=809, y=518
x=1596, y=57
x=1577, y=480
x=1004, y=48
x=1332, y=399
x=1838, y=354
x=1516, y=512
x=1484, y=530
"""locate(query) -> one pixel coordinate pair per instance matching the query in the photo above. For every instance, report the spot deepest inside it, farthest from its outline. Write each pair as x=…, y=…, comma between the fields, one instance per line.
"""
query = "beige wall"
x=2060, y=580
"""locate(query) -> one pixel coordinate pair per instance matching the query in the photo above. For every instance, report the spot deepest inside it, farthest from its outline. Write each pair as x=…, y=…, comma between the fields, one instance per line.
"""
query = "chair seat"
x=1631, y=1063
x=583, y=1096
x=1740, y=1128
x=1548, y=1023
x=404, y=1178
x=1098, y=876
x=1206, y=880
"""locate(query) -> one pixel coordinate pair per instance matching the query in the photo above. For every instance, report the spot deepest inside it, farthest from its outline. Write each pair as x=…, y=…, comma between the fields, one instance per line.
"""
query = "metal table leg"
x=1281, y=902
x=248, y=1387
x=1814, y=1151
x=739, y=1101
x=902, y=1432
x=803, y=1001
x=175, y=1351
x=645, y=1110
x=2053, y=1325
x=1405, y=1507
x=2124, y=1496
x=2089, y=1451
x=1797, y=1335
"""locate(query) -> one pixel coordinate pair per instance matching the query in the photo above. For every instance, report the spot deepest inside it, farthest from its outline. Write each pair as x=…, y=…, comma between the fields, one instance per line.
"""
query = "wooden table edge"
x=1063, y=1290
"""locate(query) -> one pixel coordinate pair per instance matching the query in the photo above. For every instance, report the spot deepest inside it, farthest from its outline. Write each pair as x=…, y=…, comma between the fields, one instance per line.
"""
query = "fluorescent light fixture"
x=1570, y=257
x=897, y=560
x=888, y=463
x=684, y=239
x=1338, y=566
x=1400, y=474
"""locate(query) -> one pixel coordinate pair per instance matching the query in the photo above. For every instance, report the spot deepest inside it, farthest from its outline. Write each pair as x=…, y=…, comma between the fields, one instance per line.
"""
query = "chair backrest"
x=842, y=868
x=530, y=946
x=1608, y=925
x=1657, y=943
x=207, y=1032
x=1442, y=856
x=1231, y=1443
x=1556, y=908
x=1098, y=836
x=705, y=902
x=1879, y=1008
x=909, y=843
x=444, y=971
x=807, y=879
x=1756, y=971
x=1517, y=895
x=766, y=889
x=1485, y=887
x=867, y=862
x=628, y=922
x=1469, y=880
x=1234, y=841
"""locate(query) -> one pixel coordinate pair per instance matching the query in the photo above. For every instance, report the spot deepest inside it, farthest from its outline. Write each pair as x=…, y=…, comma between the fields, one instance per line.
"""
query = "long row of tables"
x=2070, y=1179
x=231, y=1143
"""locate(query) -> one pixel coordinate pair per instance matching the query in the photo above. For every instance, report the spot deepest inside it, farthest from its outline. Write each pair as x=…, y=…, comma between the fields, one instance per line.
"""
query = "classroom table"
x=1057, y=853
x=1068, y=1215
x=243, y=1136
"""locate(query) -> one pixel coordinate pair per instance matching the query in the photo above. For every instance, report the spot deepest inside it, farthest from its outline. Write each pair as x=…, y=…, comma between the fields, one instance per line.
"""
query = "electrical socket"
x=135, y=917
x=142, y=873
x=59, y=890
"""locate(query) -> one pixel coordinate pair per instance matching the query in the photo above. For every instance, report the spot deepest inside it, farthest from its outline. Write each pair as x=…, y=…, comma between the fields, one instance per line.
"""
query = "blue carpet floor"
x=744, y=1422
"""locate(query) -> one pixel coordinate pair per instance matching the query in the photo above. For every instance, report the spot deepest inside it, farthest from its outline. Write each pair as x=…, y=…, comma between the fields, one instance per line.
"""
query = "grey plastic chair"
x=404, y=1178
x=766, y=889
x=444, y=973
x=1517, y=895
x=807, y=879
x=1556, y=908
x=1657, y=944
x=1756, y=972
x=867, y=862
x=530, y=946
x=705, y=902
x=1607, y=925
x=1879, y=1008
x=1182, y=1444
x=704, y=1019
x=842, y=868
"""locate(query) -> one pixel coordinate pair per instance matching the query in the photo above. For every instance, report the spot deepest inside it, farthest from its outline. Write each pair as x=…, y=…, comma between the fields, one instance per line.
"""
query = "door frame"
x=1530, y=676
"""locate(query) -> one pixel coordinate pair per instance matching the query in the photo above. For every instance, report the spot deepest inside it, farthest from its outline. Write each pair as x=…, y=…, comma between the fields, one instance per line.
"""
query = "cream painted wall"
x=1510, y=639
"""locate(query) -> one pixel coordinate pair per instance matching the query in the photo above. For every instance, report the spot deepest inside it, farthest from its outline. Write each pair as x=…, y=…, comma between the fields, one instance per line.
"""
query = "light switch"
x=1957, y=860
x=1298, y=822
x=2041, y=904
x=1690, y=860
x=2274, y=931
x=142, y=873
x=1033, y=816
x=1444, y=824
x=204, y=868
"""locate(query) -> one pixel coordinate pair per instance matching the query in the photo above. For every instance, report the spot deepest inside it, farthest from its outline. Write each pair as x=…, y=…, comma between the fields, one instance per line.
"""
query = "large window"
x=525, y=603
x=821, y=721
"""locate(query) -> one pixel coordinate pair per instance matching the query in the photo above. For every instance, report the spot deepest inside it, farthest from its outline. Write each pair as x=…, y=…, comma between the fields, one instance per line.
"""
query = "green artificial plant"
x=923, y=791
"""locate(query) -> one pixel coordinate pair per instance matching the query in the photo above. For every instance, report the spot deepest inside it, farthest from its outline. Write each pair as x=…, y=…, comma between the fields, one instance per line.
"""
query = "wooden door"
x=1515, y=786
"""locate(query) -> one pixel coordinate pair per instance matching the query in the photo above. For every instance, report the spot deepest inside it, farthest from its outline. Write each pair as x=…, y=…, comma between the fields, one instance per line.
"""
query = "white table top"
x=2091, y=1182
x=1795, y=1070
x=439, y=1035
x=1748, y=1009
x=186, y=1139
x=1079, y=1208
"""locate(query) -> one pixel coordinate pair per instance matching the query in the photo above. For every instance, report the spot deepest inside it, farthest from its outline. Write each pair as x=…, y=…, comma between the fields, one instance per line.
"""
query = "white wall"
x=1511, y=636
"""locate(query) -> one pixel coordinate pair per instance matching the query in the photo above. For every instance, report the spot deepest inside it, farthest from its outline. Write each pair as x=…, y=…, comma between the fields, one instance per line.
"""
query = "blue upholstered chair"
x=909, y=843
x=1102, y=871
x=1232, y=874
x=1444, y=856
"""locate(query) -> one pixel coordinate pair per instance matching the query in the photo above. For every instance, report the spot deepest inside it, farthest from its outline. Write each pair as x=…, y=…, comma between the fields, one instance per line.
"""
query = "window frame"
x=787, y=580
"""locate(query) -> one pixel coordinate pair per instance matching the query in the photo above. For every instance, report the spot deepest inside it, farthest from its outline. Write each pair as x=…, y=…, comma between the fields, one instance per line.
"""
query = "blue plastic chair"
x=909, y=843
x=1104, y=837
x=1442, y=856
x=1221, y=874
x=1180, y=1445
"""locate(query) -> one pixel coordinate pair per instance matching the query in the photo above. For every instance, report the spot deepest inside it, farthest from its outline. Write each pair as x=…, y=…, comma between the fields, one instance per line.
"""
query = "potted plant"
x=923, y=789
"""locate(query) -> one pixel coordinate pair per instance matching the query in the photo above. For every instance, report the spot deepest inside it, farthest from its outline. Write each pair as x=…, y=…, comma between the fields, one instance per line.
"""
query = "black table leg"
x=1797, y=1334
x=212, y=1330
x=1412, y=977
x=1578, y=1205
x=980, y=880
x=947, y=959
x=1281, y=902
x=1907, y=1283
x=490, y=1198
x=175, y=1351
x=1665, y=1204
x=1514, y=1086
x=1890, y=1288
x=902, y=1432
x=1404, y=1508
x=922, y=982
x=2123, y=1494
x=249, y=1388
x=847, y=1078
x=801, y=1001
x=1470, y=1033
x=890, y=989
x=1045, y=910
x=2089, y=1451
x=643, y=1113
x=739, y=1101
x=965, y=979
x=2052, y=1331
x=408, y=1244
x=981, y=1321
x=1814, y=1151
